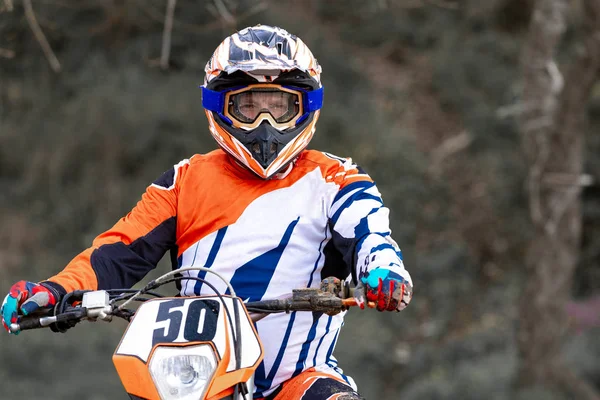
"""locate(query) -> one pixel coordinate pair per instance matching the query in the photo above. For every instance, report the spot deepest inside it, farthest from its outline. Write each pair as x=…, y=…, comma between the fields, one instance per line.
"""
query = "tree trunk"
x=553, y=132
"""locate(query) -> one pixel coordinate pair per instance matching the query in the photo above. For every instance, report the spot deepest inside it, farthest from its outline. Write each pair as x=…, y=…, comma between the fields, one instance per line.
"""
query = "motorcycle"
x=186, y=348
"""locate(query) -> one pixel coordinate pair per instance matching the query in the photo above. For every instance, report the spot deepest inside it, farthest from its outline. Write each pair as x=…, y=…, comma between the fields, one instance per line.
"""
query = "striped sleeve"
x=359, y=224
x=123, y=255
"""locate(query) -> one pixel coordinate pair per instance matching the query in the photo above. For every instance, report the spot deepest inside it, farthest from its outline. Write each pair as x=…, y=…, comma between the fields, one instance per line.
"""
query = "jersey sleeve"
x=359, y=224
x=123, y=255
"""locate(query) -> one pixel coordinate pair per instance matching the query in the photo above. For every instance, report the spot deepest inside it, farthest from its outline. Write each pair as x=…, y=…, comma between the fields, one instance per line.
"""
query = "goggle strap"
x=314, y=100
x=212, y=100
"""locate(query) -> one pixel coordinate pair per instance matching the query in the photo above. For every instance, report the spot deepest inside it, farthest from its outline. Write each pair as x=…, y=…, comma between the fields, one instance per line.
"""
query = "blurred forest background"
x=424, y=94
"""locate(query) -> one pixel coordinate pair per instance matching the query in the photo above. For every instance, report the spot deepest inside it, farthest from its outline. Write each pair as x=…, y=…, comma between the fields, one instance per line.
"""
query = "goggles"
x=247, y=107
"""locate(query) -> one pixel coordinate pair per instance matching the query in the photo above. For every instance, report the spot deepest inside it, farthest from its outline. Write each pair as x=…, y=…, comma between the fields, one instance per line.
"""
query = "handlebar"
x=72, y=314
x=331, y=298
x=304, y=300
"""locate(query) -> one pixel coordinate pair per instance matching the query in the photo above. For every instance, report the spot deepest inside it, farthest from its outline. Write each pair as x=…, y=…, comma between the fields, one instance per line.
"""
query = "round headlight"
x=183, y=373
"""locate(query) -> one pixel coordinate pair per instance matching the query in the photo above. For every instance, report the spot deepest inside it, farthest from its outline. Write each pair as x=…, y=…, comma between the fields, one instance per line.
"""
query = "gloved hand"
x=26, y=297
x=384, y=288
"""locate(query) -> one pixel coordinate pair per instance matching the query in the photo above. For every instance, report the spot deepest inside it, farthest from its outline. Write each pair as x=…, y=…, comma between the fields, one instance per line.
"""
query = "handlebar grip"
x=26, y=324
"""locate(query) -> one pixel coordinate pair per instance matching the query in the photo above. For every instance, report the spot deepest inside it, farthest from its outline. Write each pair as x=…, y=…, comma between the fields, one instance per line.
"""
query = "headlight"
x=183, y=373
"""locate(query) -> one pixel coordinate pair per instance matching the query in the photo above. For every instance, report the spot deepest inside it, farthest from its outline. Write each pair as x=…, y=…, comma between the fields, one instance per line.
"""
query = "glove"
x=27, y=297
x=386, y=289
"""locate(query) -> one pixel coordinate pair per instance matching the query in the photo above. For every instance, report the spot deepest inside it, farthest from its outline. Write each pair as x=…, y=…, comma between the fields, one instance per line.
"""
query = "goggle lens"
x=246, y=106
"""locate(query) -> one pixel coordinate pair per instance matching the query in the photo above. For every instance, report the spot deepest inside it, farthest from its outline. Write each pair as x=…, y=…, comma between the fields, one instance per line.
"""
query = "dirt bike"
x=186, y=348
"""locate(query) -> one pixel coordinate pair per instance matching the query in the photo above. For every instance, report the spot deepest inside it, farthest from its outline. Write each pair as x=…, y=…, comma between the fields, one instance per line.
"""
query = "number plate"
x=185, y=320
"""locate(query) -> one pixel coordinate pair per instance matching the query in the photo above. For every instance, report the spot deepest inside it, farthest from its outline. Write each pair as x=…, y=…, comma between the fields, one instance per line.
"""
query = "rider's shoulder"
x=215, y=156
x=204, y=160
x=322, y=158
x=197, y=163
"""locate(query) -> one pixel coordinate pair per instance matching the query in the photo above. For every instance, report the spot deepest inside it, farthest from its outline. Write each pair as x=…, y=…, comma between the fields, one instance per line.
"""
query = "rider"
x=263, y=211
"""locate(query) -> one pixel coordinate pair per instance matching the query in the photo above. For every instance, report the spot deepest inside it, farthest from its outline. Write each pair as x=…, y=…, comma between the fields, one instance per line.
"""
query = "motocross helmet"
x=262, y=94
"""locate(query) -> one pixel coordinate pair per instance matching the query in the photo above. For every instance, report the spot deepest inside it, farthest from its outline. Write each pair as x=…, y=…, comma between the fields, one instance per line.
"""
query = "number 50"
x=200, y=320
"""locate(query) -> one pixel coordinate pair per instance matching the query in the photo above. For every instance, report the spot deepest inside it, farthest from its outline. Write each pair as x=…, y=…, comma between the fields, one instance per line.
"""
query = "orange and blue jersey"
x=322, y=217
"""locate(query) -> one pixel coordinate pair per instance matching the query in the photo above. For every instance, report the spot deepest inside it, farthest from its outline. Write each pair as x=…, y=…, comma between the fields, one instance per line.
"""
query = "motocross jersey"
x=322, y=217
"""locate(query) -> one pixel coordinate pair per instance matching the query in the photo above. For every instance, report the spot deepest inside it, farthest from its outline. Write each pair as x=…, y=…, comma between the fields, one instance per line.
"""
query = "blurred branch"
x=39, y=35
x=561, y=207
x=449, y=147
x=514, y=109
x=564, y=179
x=557, y=82
x=193, y=28
x=535, y=125
x=543, y=83
x=258, y=7
x=224, y=12
x=166, y=39
x=7, y=53
x=9, y=5
x=157, y=16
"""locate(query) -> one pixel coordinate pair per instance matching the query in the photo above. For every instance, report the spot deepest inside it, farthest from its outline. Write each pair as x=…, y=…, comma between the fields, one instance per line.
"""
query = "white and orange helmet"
x=262, y=94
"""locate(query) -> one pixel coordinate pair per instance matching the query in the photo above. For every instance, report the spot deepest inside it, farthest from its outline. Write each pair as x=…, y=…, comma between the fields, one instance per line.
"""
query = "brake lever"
x=342, y=289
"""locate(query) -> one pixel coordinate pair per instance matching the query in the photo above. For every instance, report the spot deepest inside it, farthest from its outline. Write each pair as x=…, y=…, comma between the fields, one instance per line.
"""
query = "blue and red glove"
x=26, y=297
x=384, y=289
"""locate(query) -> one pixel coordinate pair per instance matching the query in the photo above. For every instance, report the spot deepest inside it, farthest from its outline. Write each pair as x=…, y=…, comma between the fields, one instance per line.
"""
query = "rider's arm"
x=124, y=254
x=360, y=225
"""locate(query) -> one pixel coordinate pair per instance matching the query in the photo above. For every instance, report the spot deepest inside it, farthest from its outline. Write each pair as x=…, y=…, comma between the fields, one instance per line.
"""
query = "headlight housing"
x=183, y=373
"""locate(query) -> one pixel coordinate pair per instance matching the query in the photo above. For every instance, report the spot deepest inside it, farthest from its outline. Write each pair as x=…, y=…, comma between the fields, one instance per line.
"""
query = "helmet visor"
x=252, y=104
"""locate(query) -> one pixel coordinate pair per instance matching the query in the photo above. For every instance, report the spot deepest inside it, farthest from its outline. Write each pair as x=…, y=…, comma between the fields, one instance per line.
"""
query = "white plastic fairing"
x=189, y=319
x=183, y=373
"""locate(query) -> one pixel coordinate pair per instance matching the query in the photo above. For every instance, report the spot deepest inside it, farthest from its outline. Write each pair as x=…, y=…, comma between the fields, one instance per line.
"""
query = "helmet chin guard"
x=265, y=143
x=264, y=150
